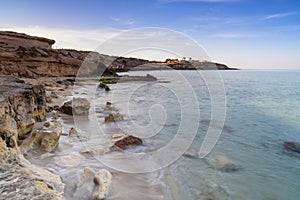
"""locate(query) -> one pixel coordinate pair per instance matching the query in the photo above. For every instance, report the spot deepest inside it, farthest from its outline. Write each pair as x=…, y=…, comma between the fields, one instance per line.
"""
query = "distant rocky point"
x=122, y=64
x=28, y=56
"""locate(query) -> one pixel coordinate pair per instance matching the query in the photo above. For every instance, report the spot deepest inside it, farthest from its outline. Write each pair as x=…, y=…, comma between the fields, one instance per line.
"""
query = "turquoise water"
x=263, y=110
x=172, y=115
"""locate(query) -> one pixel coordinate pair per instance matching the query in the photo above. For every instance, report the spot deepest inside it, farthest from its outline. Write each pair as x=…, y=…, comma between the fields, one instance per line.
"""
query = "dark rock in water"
x=293, y=146
x=191, y=153
x=104, y=86
x=77, y=106
x=124, y=141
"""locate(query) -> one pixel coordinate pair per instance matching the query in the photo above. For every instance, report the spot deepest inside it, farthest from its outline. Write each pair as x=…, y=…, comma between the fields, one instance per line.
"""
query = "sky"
x=247, y=34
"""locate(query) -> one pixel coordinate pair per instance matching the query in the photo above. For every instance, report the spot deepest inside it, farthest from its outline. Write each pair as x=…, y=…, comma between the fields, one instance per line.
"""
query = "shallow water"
x=262, y=111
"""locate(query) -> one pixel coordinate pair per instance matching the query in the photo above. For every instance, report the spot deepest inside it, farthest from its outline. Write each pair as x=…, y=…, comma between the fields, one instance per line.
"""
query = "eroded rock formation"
x=20, y=106
x=77, y=106
x=22, y=55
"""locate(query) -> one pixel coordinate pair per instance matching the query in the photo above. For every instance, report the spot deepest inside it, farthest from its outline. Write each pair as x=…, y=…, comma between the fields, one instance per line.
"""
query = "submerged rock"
x=212, y=191
x=222, y=163
x=114, y=117
x=293, y=146
x=70, y=160
x=124, y=141
x=191, y=153
x=77, y=106
x=93, y=185
x=47, y=137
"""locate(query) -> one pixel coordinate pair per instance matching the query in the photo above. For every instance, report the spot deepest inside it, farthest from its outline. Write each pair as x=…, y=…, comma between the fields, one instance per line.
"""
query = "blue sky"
x=248, y=34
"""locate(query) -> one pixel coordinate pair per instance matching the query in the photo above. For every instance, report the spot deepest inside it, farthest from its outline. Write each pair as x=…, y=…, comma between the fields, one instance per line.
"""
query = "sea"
x=189, y=121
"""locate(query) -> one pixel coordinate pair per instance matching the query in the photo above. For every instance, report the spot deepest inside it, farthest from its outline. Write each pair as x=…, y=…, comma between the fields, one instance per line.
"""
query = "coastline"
x=45, y=78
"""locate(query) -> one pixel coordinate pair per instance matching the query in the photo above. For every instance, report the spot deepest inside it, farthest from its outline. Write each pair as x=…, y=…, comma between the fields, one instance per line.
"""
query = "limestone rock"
x=93, y=185
x=47, y=137
x=102, y=182
x=293, y=146
x=19, y=39
x=77, y=106
x=124, y=141
x=20, y=179
x=21, y=105
x=114, y=117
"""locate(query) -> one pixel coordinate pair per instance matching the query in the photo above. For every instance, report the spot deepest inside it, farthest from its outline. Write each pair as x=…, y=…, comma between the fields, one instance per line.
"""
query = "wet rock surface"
x=124, y=141
x=21, y=180
x=93, y=185
x=113, y=117
x=46, y=138
x=77, y=106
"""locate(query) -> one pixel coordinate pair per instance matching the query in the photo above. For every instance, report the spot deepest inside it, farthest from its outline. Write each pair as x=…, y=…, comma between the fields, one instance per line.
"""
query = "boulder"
x=77, y=106
x=292, y=146
x=93, y=185
x=102, y=182
x=46, y=137
x=114, y=117
x=124, y=141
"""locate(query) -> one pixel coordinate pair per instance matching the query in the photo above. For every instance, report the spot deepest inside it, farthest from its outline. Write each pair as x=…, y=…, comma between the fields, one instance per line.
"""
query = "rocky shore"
x=27, y=56
x=36, y=79
x=21, y=105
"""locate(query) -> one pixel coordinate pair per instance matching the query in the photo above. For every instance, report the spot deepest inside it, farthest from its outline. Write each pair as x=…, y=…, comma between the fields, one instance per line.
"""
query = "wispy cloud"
x=123, y=21
x=278, y=15
x=207, y=1
x=235, y=35
x=116, y=19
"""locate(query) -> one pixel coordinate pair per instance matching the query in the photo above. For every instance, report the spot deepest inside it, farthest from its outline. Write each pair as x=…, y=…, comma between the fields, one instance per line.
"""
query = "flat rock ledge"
x=20, y=179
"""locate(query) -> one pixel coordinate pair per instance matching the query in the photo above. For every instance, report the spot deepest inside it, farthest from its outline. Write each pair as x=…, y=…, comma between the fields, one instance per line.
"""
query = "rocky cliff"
x=21, y=105
x=22, y=55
